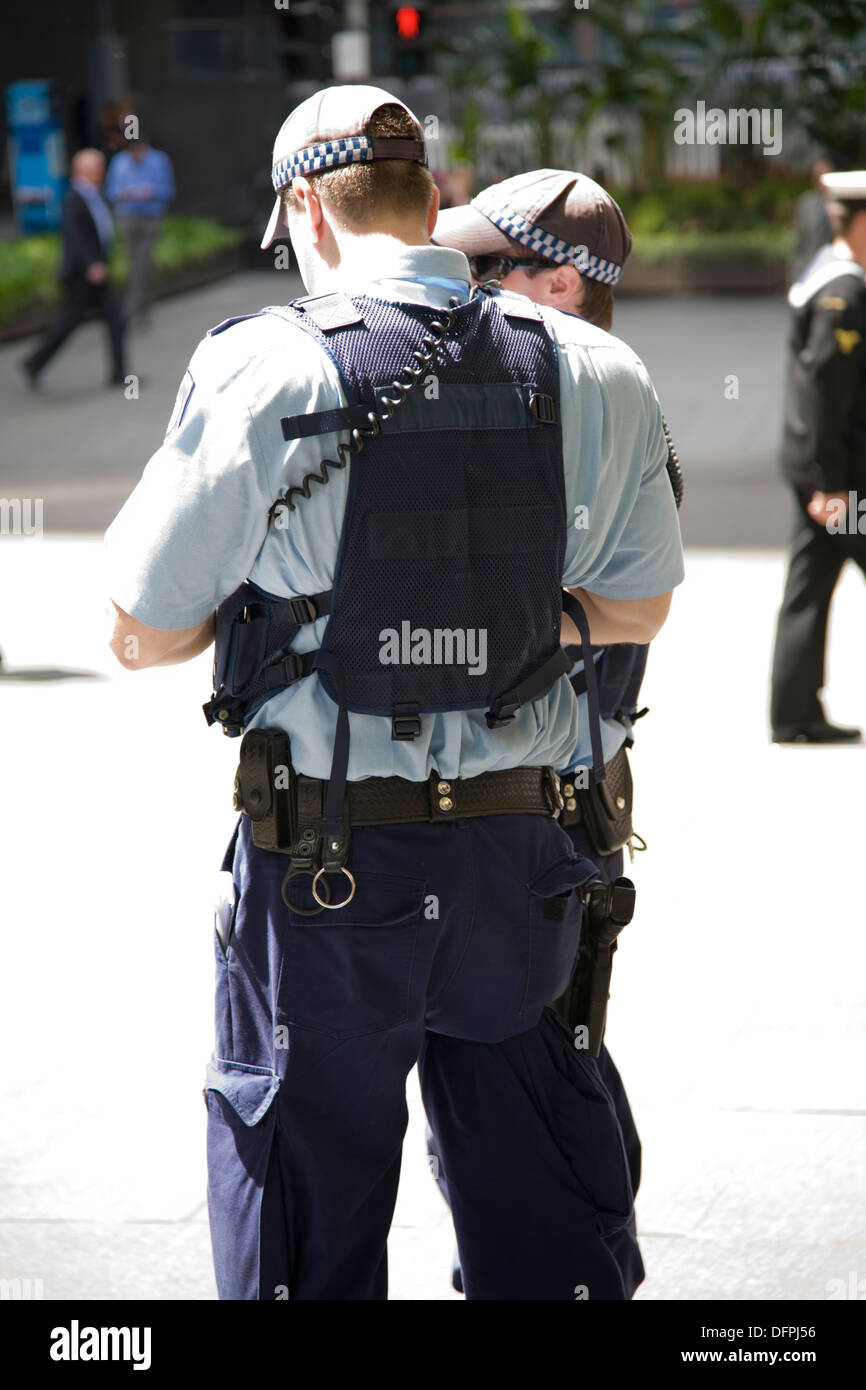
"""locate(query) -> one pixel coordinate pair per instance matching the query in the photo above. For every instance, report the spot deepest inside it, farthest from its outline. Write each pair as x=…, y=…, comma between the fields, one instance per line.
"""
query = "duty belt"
x=287, y=809
x=396, y=801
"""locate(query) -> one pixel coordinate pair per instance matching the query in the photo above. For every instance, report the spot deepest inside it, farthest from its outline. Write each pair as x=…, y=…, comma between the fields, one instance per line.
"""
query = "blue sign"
x=37, y=154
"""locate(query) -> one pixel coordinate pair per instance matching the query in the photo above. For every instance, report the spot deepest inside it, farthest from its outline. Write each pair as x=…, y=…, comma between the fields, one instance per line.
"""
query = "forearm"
x=198, y=641
x=617, y=620
x=138, y=646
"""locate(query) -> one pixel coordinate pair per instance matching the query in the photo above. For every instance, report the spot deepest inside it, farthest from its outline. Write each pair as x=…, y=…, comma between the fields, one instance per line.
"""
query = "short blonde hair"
x=361, y=194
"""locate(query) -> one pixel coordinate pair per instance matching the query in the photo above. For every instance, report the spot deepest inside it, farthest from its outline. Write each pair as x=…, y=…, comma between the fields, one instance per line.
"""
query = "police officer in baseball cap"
x=366, y=496
x=545, y=220
x=559, y=238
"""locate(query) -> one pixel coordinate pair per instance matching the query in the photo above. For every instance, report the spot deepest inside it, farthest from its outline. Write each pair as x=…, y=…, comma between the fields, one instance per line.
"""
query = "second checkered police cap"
x=557, y=214
x=330, y=129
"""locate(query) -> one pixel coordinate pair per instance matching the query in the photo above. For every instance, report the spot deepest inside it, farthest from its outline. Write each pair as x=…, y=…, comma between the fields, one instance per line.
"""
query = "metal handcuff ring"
x=303, y=911
x=334, y=906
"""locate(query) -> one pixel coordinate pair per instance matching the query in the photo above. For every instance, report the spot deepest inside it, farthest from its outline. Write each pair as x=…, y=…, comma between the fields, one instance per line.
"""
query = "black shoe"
x=817, y=731
x=30, y=374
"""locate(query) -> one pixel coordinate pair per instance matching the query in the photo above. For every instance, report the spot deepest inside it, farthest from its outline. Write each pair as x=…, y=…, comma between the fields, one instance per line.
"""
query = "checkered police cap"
x=330, y=130
x=560, y=216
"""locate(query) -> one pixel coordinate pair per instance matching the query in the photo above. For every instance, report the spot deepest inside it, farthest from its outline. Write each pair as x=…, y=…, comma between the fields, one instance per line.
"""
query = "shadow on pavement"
x=49, y=673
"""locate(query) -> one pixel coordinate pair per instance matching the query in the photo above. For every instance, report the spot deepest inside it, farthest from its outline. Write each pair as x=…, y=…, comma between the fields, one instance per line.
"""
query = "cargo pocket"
x=349, y=971
x=249, y=1090
x=554, y=930
x=240, y=1138
x=588, y=1129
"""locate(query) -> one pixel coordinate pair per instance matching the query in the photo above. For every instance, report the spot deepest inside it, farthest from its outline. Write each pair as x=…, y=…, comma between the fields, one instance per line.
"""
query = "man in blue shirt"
x=460, y=922
x=140, y=185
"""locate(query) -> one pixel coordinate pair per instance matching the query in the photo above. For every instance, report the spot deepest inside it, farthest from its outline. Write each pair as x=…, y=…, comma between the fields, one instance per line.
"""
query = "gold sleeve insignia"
x=832, y=301
x=847, y=338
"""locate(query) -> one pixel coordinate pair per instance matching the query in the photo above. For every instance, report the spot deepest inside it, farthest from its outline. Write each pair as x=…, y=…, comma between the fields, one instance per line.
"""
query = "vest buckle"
x=405, y=723
x=543, y=408
x=303, y=611
x=284, y=672
x=497, y=718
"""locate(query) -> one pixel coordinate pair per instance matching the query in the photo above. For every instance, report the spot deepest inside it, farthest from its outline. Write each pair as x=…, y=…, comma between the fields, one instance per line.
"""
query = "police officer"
x=365, y=495
x=823, y=459
x=584, y=242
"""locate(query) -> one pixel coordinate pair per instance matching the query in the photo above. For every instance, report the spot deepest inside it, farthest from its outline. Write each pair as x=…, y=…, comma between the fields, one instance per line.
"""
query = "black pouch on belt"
x=266, y=789
x=606, y=807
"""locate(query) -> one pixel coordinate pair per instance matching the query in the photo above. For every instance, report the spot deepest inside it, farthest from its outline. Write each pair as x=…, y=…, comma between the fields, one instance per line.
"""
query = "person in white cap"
x=368, y=496
x=823, y=460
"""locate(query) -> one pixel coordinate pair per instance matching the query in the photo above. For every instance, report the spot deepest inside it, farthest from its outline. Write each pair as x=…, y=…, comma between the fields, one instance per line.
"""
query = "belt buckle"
x=550, y=786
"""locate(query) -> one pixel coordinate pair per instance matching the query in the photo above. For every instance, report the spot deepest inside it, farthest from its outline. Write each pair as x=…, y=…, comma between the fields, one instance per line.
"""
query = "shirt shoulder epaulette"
x=227, y=323
x=829, y=277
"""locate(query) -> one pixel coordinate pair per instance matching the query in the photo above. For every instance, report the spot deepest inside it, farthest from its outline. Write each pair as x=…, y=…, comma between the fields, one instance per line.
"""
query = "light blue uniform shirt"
x=127, y=176
x=196, y=525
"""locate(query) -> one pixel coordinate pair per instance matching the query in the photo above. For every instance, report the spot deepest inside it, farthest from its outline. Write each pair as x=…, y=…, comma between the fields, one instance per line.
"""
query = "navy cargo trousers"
x=610, y=866
x=457, y=937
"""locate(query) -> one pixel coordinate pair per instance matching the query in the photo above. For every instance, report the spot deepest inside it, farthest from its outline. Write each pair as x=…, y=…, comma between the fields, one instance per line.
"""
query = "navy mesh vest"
x=447, y=590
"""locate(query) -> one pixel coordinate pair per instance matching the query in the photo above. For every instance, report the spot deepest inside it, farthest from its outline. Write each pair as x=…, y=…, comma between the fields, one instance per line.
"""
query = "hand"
x=97, y=273
x=827, y=506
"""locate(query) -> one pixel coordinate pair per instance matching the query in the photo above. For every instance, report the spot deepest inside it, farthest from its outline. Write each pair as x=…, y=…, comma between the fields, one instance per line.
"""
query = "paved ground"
x=81, y=448
x=739, y=1002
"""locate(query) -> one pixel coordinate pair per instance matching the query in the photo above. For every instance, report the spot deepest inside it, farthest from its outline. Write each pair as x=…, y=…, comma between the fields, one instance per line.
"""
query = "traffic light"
x=409, y=46
x=408, y=22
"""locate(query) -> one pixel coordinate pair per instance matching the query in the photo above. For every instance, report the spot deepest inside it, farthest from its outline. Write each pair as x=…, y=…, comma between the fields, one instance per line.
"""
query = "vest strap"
x=335, y=827
x=283, y=673
x=330, y=311
x=574, y=609
x=505, y=707
x=347, y=417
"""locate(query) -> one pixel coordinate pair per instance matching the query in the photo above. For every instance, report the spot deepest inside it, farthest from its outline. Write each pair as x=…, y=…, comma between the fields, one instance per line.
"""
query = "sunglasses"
x=497, y=267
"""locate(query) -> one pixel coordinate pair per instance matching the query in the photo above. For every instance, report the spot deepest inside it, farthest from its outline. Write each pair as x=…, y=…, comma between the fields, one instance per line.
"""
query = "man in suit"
x=88, y=233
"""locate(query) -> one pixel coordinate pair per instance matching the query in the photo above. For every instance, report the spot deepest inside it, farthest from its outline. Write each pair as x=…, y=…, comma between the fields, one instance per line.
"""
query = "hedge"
x=29, y=265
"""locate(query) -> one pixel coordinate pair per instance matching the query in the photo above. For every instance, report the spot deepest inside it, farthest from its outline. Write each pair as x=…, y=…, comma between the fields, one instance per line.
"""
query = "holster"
x=608, y=907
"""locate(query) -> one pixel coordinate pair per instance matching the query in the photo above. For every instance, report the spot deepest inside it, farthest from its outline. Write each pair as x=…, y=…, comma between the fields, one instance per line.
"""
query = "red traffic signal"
x=408, y=22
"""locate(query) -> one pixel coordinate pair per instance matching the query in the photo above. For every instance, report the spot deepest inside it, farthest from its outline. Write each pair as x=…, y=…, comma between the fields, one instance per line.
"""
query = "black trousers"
x=817, y=557
x=80, y=296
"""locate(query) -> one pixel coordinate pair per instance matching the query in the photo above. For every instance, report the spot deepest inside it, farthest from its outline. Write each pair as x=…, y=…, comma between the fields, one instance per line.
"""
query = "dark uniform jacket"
x=81, y=241
x=824, y=445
